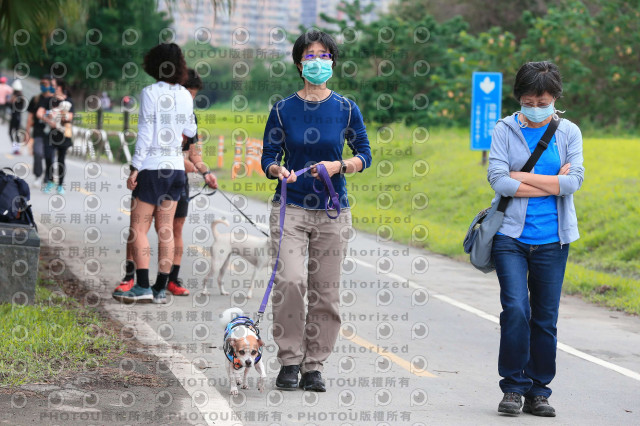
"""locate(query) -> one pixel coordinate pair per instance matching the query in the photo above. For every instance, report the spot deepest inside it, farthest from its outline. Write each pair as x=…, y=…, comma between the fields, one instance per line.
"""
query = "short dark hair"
x=165, y=62
x=63, y=85
x=46, y=77
x=193, y=80
x=536, y=78
x=310, y=37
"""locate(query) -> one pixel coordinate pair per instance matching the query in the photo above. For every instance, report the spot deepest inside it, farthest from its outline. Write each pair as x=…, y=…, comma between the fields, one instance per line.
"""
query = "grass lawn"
x=55, y=335
x=429, y=185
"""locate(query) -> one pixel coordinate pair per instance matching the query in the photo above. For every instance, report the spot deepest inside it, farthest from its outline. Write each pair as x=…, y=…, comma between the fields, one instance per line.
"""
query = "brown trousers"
x=313, y=249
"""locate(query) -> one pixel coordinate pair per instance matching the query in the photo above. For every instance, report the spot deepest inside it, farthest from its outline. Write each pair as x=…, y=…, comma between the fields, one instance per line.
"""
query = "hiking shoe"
x=510, y=404
x=124, y=286
x=137, y=294
x=312, y=381
x=60, y=190
x=159, y=297
x=48, y=187
x=538, y=406
x=176, y=289
x=288, y=377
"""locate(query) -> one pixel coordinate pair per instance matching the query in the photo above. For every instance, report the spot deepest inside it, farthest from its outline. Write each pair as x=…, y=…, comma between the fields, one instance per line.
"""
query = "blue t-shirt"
x=541, y=222
x=304, y=133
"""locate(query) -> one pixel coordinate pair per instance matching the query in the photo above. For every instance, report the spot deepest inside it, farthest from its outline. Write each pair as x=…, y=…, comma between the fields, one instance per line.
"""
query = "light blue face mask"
x=536, y=114
x=317, y=71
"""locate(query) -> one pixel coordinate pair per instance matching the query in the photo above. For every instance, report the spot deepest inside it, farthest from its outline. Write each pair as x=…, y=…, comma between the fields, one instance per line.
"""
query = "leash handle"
x=332, y=201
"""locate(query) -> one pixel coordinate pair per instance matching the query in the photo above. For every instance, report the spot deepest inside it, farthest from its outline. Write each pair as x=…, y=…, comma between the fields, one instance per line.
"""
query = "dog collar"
x=228, y=349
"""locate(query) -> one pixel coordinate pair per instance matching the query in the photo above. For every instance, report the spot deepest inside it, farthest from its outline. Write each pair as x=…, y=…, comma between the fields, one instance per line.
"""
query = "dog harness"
x=228, y=349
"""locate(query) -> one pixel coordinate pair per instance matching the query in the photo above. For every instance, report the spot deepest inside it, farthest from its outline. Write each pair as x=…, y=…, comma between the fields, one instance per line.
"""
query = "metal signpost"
x=486, y=106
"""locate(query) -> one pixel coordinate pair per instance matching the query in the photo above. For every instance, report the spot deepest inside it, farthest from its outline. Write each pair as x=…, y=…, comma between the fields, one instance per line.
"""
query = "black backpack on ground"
x=14, y=199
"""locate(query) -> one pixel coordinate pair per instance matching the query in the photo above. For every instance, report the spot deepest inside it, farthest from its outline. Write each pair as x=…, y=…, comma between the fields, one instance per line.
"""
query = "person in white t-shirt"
x=157, y=175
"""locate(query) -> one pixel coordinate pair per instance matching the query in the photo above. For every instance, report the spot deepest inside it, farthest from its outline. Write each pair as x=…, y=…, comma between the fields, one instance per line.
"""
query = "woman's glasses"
x=326, y=56
x=533, y=105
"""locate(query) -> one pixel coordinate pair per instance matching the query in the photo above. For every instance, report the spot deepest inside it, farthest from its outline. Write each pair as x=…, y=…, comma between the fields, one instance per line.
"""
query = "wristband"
x=343, y=167
x=132, y=168
x=206, y=173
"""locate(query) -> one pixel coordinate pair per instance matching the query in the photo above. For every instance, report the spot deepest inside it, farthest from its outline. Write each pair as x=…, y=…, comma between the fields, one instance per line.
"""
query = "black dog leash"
x=230, y=202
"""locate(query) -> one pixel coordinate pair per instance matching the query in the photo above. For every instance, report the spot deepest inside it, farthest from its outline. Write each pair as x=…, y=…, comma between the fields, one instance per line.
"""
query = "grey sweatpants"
x=306, y=332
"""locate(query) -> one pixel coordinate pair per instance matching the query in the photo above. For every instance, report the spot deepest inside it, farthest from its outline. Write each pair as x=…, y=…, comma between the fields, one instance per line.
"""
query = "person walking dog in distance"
x=308, y=127
x=18, y=105
x=530, y=249
x=192, y=163
x=157, y=168
x=57, y=113
x=37, y=133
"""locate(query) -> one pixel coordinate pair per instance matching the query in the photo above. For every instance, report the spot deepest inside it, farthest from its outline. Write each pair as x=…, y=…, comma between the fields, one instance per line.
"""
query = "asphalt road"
x=419, y=340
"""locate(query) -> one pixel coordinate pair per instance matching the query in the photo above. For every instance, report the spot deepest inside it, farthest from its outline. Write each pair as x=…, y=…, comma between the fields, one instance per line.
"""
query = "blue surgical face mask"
x=43, y=88
x=52, y=89
x=317, y=71
x=536, y=114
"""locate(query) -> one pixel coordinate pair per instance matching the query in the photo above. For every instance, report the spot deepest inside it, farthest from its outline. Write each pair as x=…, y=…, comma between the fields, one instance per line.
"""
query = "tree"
x=105, y=48
x=25, y=25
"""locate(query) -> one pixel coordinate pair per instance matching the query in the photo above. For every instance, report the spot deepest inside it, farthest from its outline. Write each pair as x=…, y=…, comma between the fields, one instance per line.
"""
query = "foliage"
x=481, y=16
x=106, y=48
x=25, y=25
x=245, y=77
x=52, y=337
x=392, y=67
x=593, y=43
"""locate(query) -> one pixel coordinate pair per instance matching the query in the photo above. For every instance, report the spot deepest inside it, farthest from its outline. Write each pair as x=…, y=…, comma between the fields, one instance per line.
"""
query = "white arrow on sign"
x=487, y=85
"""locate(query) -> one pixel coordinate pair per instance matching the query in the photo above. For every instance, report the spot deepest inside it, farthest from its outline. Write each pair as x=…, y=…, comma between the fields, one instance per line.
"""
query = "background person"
x=157, y=168
x=193, y=163
x=5, y=97
x=57, y=113
x=18, y=105
x=306, y=336
x=531, y=248
x=37, y=131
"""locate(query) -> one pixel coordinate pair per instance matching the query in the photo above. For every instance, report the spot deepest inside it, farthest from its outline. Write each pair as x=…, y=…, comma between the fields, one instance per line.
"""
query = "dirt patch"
x=130, y=386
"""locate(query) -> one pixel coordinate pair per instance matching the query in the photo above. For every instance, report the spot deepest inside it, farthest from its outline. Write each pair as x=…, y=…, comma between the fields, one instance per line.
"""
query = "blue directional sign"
x=486, y=105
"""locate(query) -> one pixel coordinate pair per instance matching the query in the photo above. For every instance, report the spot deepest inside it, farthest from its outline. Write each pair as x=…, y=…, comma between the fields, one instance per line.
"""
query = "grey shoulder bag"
x=479, y=239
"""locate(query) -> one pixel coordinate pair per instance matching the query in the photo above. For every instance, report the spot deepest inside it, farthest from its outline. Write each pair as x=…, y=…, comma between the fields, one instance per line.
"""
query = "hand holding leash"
x=332, y=167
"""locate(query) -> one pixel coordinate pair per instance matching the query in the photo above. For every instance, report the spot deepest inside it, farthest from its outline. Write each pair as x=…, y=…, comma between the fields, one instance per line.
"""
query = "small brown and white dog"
x=242, y=348
x=253, y=249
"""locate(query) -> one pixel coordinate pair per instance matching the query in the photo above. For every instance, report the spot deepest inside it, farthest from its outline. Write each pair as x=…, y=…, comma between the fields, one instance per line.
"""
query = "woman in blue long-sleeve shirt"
x=310, y=127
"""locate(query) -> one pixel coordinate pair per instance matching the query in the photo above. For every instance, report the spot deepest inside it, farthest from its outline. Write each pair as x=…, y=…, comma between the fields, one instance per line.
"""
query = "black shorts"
x=183, y=203
x=156, y=186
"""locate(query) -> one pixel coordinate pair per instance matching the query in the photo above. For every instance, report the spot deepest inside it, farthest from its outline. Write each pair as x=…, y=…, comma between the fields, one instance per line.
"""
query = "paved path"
x=420, y=334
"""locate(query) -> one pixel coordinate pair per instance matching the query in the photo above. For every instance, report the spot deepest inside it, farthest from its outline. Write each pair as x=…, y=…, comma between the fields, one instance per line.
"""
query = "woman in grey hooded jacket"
x=531, y=248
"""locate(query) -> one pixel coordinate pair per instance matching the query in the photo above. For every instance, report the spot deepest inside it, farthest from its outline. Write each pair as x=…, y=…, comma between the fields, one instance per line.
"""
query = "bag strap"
x=542, y=145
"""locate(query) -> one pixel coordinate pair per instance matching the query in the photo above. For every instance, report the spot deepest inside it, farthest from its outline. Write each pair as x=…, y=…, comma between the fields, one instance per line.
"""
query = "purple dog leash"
x=332, y=202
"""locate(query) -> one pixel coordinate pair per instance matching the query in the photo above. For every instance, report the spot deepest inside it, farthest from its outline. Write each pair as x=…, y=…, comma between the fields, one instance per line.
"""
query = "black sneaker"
x=510, y=404
x=538, y=406
x=288, y=377
x=312, y=381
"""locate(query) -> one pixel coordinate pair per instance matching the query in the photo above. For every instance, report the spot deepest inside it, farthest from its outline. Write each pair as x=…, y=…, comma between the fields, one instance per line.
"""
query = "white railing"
x=94, y=143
